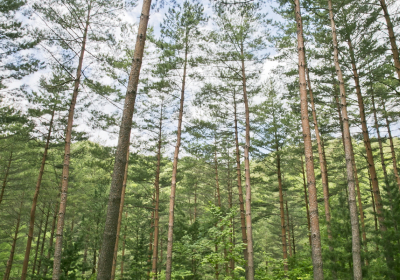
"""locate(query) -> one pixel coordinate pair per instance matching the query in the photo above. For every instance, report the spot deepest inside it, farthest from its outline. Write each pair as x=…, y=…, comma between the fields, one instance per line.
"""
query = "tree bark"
x=3, y=187
x=43, y=241
x=121, y=209
x=174, y=171
x=306, y=201
x=282, y=211
x=392, y=38
x=322, y=164
x=239, y=181
x=65, y=172
x=111, y=224
x=12, y=252
x=123, y=248
x=37, y=247
x=249, y=230
x=312, y=190
x=157, y=198
x=288, y=230
x=355, y=233
x=394, y=161
x=34, y=201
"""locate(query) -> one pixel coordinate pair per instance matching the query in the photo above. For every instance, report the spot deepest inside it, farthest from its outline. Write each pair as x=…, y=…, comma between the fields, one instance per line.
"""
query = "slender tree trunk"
x=34, y=201
x=84, y=258
x=123, y=248
x=395, y=171
x=43, y=241
x=294, y=244
x=111, y=224
x=37, y=247
x=356, y=248
x=121, y=209
x=65, y=172
x=94, y=261
x=312, y=190
x=12, y=252
x=288, y=230
x=53, y=227
x=282, y=211
x=174, y=171
x=230, y=202
x=157, y=197
x=392, y=37
x=306, y=201
x=3, y=187
x=249, y=230
x=239, y=181
x=322, y=164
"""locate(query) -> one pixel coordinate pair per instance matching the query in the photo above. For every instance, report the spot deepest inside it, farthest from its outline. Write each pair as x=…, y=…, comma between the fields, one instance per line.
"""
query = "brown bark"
x=282, y=211
x=249, y=230
x=392, y=38
x=65, y=172
x=322, y=163
x=123, y=249
x=111, y=224
x=356, y=248
x=312, y=190
x=306, y=200
x=34, y=202
x=174, y=171
x=43, y=241
x=121, y=209
x=294, y=244
x=157, y=198
x=3, y=187
x=394, y=161
x=12, y=252
x=239, y=181
x=288, y=230
x=37, y=247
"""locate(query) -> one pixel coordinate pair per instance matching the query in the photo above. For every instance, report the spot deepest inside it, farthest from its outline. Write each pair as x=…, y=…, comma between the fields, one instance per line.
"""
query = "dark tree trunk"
x=282, y=211
x=114, y=202
x=43, y=241
x=3, y=187
x=37, y=247
x=123, y=248
x=288, y=229
x=306, y=200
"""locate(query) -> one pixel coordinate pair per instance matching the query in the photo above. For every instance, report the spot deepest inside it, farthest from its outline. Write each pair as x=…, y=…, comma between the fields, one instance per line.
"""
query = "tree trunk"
x=121, y=209
x=396, y=174
x=322, y=164
x=43, y=241
x=306, y=201
x=288, y=229
x=356, y=248
x=34, y=201
x=239, y=181
x=3, y=187
x=392, y=38
x=157, y=196
x=53, y=226
x=174, y=171
x=312, y=190
x=282, y=211
x=150, y=251
x=37, y=247
x=294, y=244
x=123, y=248
x=249, y=230
x=111, y=224
x=94, y=261
x=230, y=202
x=65, y=172
x=11, y=257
